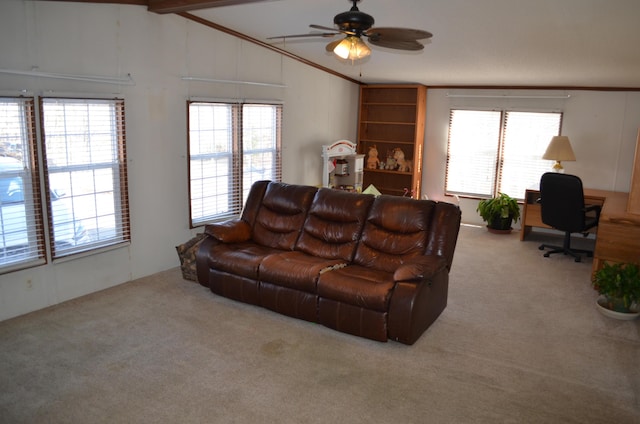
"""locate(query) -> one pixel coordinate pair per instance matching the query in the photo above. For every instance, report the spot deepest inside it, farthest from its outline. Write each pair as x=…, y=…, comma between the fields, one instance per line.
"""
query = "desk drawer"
x=619, y=242
x=534, y=216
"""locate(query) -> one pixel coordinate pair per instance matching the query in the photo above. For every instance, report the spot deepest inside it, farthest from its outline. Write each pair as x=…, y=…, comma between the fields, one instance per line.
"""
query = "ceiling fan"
x=355, y=25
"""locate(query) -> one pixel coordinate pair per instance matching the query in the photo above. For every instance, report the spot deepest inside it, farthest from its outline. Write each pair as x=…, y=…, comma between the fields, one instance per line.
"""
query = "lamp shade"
x=352, y=47
x=559, y=149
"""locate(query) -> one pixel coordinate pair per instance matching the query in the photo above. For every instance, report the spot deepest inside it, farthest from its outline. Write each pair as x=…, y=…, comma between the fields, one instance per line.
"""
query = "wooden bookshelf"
x=393, y=117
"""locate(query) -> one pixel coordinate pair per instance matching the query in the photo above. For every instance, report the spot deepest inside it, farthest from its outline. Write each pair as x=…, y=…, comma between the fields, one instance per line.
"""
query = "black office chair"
x=563, y=208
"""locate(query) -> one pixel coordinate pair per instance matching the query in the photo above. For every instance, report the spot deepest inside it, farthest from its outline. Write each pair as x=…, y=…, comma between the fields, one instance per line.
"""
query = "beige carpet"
x=520, y=342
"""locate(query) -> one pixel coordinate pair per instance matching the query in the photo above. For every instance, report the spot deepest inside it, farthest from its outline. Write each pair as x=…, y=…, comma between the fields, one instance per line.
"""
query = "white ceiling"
x=552, y=43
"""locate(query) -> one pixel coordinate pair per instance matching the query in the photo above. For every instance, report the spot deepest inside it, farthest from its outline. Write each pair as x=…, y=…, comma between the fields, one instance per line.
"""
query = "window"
x=231, y=146
x=85, y=171
x=81, y=203
x=491, y=152
x=21, y=223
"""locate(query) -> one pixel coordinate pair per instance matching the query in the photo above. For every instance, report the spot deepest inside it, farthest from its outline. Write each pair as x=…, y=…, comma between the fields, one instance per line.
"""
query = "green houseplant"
x=619, y=287
x=499, y=212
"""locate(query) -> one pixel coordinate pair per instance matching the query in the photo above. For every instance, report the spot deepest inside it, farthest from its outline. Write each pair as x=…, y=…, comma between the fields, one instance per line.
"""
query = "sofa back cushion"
x=396, y=230
x=281, y=214
x=254, y=199
x=334, y=224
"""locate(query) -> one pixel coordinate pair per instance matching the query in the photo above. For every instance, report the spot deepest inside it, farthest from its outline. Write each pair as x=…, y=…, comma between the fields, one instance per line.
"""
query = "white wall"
x=602, y=126
x=319, y=108
x=112, y=40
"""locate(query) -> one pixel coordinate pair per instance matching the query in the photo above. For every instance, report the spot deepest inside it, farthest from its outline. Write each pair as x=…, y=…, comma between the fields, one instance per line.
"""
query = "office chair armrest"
x=593, y=208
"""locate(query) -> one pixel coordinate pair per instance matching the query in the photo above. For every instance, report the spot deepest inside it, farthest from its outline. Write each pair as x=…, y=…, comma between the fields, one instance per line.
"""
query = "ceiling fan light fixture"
x=352, y=47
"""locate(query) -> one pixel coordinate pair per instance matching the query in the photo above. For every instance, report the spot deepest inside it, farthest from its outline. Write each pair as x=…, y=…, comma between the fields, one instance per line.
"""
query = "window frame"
x=119, y=177
x=31, y=189
x=39, y=199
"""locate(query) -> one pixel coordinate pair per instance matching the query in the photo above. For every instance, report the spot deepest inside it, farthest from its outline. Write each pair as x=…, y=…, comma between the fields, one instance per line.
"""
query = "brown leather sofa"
x=376, y=267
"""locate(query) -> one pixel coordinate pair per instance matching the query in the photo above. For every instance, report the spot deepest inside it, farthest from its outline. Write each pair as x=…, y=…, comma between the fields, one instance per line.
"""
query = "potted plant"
x=499, y=212
x=619, y=288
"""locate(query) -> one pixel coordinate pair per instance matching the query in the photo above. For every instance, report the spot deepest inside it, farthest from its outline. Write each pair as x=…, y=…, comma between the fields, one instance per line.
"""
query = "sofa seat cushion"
x=242, y=259
x=295, y=270
x=357, y=285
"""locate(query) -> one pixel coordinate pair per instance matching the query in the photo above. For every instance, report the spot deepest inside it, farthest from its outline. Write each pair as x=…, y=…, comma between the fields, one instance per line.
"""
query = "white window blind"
x=231, y=145
x=526, y=137
x=21, y=224
x=491, y=152
x=85, y=170
x=261, y=125
x=472, y=152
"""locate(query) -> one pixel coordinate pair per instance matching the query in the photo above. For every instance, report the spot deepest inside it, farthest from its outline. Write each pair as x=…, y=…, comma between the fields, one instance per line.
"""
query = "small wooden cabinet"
x=392, y=118
x=634, y=194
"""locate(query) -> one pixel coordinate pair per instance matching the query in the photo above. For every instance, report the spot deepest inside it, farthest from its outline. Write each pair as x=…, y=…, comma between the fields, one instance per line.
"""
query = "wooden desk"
x=531, y=216
x=617, y=234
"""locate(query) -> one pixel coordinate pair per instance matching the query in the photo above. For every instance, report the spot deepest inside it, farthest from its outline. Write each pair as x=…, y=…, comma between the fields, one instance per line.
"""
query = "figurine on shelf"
x=390, y=162
x=407, y=193
x=372, y=160
x=403, y=164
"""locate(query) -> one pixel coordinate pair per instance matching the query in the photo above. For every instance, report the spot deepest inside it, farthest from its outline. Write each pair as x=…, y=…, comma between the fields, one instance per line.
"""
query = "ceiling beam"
x=171, y=6
x=176, y=6
x=129, y=2
x=245, y=37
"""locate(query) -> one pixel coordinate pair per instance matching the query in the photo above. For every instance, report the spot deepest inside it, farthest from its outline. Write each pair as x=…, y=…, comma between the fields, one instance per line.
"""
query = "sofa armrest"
x=232, y=231
x=420, y=268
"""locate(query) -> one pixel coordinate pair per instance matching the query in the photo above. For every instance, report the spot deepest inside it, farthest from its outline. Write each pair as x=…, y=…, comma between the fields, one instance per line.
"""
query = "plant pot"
x=500, y=225
x=604, y=305
x=496, y=231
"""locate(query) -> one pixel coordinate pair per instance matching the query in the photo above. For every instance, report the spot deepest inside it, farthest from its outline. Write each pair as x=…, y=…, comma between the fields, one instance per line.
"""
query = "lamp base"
x=557, y=167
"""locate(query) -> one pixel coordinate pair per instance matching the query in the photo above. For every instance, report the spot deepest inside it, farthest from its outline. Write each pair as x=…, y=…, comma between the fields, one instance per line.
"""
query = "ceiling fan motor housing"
x=354, y=20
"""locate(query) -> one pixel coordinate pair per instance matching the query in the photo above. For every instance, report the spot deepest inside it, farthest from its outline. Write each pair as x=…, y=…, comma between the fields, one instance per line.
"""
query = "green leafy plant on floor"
x=498, y=212
x=620, y=284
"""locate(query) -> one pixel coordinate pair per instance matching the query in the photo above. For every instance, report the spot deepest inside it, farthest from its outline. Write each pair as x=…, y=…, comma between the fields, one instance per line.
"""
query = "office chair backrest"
x=562, y=201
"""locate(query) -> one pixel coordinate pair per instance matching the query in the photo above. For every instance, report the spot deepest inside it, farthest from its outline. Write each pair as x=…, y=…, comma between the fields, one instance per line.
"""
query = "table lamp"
x=559, y=149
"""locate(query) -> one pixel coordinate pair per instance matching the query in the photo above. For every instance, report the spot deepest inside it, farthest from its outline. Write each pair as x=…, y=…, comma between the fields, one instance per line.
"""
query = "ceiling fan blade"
x=400, y=34
x=323, y=27
x=311, y=34
x=397, y=44
x=338, y=31
x=332, y=45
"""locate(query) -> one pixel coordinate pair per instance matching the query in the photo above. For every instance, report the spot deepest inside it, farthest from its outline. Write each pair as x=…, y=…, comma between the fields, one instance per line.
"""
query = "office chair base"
x=566, y=249
x=571, y=252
